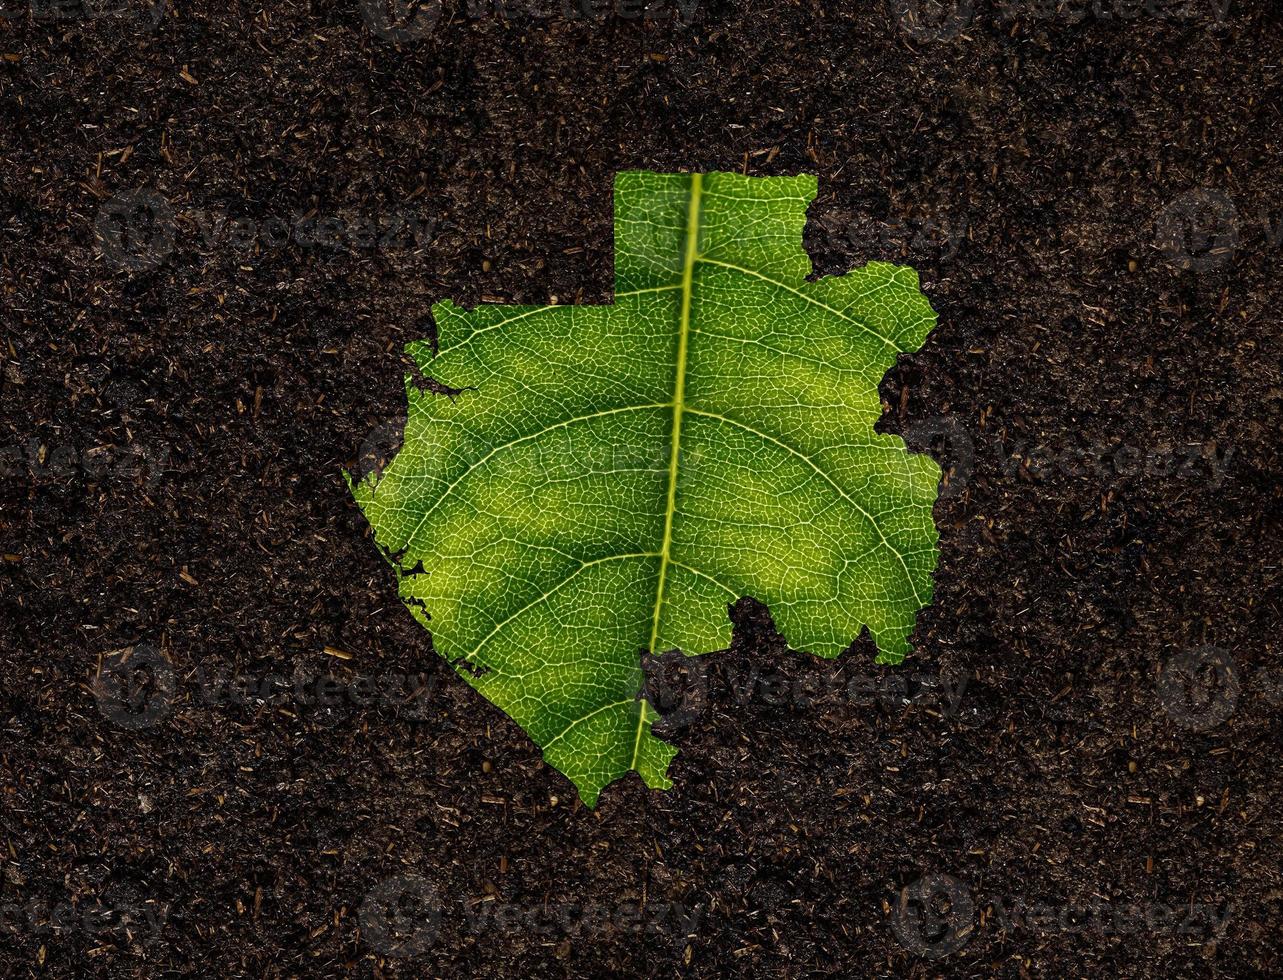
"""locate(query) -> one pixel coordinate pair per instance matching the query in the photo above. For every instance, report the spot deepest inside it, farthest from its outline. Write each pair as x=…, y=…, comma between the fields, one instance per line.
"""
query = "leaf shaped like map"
x=608, y=479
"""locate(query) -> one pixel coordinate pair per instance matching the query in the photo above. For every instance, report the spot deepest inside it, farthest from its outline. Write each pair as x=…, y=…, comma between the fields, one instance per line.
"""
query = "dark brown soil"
x=1083, y=783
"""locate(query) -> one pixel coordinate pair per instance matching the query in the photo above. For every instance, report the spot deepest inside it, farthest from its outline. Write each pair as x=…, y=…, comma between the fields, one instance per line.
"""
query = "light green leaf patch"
x=614, y=476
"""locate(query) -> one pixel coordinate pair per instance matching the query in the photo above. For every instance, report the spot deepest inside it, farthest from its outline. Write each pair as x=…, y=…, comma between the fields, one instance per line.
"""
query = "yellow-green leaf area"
x=609, y=478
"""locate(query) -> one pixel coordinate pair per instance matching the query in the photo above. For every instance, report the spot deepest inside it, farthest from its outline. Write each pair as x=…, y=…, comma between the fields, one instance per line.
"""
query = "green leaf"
x=614, y=476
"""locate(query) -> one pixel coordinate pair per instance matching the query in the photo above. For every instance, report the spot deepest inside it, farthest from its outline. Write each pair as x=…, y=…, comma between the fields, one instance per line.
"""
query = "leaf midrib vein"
x=679, y=393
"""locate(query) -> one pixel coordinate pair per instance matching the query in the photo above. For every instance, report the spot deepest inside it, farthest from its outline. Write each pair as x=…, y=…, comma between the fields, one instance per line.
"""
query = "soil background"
x=1079, y=759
